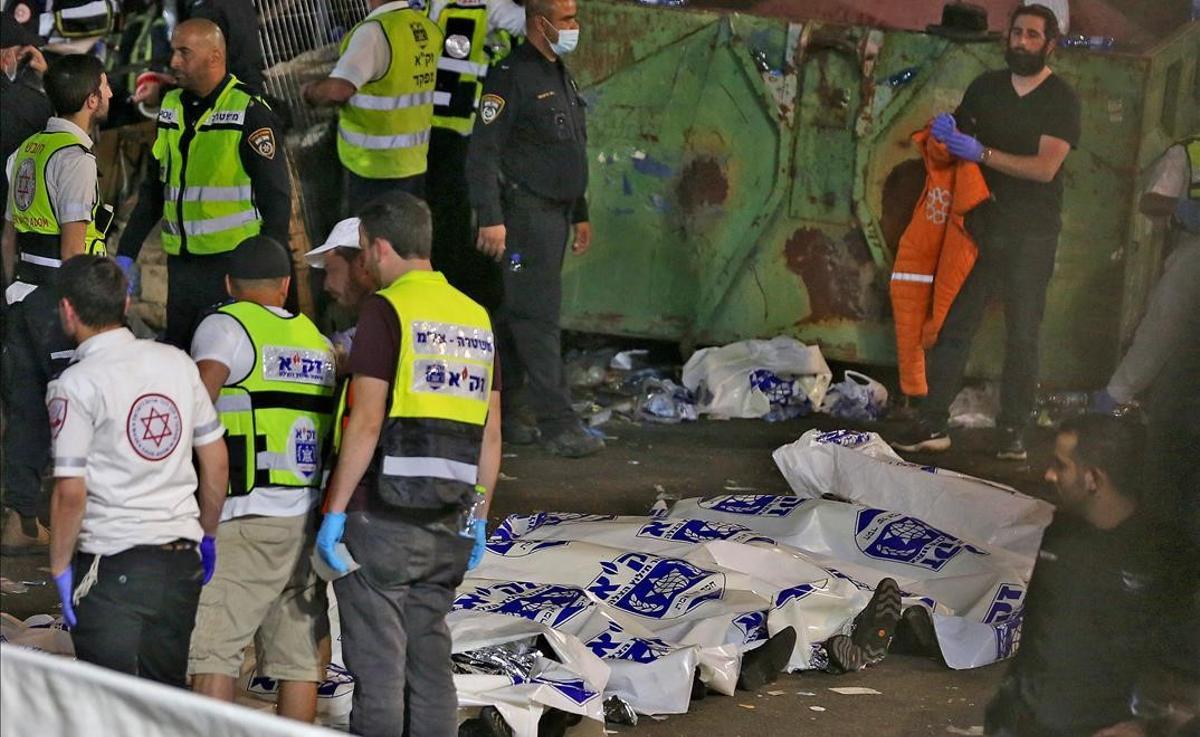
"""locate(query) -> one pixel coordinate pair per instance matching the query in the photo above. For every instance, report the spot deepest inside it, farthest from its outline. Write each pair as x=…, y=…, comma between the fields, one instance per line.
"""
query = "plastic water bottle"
x=514, y=261
x=468, y=516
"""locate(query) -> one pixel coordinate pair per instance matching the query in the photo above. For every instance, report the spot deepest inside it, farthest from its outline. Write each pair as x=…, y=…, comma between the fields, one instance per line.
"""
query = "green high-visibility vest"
x=279, y=416
x=383, y=130
x=33, y=216
x=208, y=201
x=461, y=67
x=1192, y=145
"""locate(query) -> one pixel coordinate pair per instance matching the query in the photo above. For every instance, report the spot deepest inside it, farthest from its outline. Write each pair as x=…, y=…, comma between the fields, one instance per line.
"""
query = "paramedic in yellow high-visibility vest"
x=384, y=85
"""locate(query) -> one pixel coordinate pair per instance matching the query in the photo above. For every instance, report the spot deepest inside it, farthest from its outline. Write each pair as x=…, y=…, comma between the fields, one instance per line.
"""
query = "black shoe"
x=699, y=687
x=844, y=656
x=922, y=437
x=916, y=629
x=492, y=723
x=556, y=722
x=516, y=432
x=763, y=664
x=573, y=443
x=1010, y=444
x=875, y=624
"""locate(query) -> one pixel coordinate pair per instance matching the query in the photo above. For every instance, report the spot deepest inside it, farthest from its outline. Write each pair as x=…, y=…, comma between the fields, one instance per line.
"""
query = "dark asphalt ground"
x=917, y=697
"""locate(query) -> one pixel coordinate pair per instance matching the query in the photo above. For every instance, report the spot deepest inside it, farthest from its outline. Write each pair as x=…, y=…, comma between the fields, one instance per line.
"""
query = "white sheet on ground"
x=721, y=377
x=861, y=467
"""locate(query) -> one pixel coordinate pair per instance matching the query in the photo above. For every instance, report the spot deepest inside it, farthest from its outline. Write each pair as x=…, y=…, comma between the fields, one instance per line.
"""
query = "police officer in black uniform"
x=527, y=172
x=24, y=107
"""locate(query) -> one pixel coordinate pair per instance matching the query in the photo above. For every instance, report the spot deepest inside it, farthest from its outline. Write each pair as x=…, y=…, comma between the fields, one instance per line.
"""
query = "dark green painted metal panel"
x=751, y=177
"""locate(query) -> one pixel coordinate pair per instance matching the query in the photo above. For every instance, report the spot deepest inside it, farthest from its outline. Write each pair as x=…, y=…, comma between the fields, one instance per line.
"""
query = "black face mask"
x=1025, y=64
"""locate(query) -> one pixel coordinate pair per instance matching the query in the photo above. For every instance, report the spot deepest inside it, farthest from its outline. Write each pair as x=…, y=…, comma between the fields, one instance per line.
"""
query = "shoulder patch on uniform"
x=263, y=142
x=57, y=409
x=489, y=108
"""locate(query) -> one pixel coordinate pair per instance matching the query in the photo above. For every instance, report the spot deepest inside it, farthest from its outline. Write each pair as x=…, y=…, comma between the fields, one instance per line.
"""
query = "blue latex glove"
x=1103, y=403
x=943, y=126
x=208, y=556
x=1187, y=212
x=65, y=582
x=964, y=147
x=126, y=264
x=479, y=532
x=333, y=526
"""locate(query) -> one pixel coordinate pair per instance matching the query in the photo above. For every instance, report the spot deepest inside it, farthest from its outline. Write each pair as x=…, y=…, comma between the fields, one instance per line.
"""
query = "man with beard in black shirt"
x=1018, y=124
x=1096, y=594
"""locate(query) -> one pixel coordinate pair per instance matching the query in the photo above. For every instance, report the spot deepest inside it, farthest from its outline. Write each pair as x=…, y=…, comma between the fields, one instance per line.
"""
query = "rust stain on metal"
x=837, y=276
x=702, y=184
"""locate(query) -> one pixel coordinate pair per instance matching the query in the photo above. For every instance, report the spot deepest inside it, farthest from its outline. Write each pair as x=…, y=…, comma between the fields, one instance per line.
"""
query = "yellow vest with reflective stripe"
x=278, y=418
x=461, y=67
x=208, y=201
x=1192, y=146
x=428, y=452
x=383, y=130
x=33, y=216
x=78, y=19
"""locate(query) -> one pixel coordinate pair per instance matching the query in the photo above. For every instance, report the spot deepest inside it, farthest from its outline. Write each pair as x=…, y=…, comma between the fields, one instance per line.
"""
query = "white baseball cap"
x=343, y=235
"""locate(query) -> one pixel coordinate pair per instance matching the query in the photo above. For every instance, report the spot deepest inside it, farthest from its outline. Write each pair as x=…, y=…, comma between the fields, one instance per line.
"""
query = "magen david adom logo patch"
x=154, y=426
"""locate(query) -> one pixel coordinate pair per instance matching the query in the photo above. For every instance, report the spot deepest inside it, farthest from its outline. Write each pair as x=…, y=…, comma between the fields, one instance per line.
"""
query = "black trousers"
x=393, y=616
x=194, y=284
x=529, y=336
x=360, y=190
x=138, y=616
x=454, y=254
x=35, y=351
x=1017, y=266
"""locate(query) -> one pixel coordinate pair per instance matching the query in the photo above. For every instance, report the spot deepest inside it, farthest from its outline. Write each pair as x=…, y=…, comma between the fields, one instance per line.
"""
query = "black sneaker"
x=556, y=722
x=573, y=443
x=876, y=623
x=1010, y=444
x=922, y=437
x=844, y=656
x=915, y=635
x=763, y=664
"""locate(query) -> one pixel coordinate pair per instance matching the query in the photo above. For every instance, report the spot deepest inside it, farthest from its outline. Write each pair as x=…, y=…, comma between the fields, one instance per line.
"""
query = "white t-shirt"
x=125, y=417
x=1172, y=174
x=222, y=338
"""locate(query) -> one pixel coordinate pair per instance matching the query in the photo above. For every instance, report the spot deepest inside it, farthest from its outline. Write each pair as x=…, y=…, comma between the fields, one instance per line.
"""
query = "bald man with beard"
x=218, y=176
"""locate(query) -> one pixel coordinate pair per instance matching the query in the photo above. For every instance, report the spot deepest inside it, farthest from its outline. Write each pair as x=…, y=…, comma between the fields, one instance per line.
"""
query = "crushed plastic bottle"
x=1095, y=43
x=514, y=261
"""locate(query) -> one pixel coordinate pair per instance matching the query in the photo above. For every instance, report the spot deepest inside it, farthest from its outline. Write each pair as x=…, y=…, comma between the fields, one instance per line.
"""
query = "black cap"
x=13, y=33
x=260, y=257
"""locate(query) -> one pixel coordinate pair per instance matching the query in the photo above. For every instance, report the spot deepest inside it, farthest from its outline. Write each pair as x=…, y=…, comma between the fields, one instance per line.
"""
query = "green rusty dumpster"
x=751, y=176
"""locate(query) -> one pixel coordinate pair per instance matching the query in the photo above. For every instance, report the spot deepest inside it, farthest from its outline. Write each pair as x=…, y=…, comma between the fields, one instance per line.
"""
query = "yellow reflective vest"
x=33, y=217
x=279, y=416
x=383, y=129
x=1192, y=146
x=428, y=452
x=208, y=201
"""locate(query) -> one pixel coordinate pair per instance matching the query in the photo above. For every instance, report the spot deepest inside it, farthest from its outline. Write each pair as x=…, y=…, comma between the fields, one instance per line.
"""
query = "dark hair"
x=402, y=220
x=71, y=80
x=543, y=8
x=96, y=288
x=1112, y=444
x=1038, y=11
x=349, y=254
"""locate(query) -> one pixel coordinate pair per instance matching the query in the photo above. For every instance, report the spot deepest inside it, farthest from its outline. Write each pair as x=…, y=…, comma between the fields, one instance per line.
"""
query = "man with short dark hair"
x=1018, y=124
x=126, y=417
x=1095, y=596
x=418, y=443
x=218, y=176
x=271, y=375
x=51, y=216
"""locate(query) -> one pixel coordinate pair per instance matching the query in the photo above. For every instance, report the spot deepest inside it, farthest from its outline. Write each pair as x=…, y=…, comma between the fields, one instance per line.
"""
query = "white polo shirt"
x=222, y=338
x=125, y=416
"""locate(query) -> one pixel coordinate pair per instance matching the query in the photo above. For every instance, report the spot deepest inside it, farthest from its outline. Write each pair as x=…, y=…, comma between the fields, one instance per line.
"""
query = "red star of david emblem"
x=164, y=431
